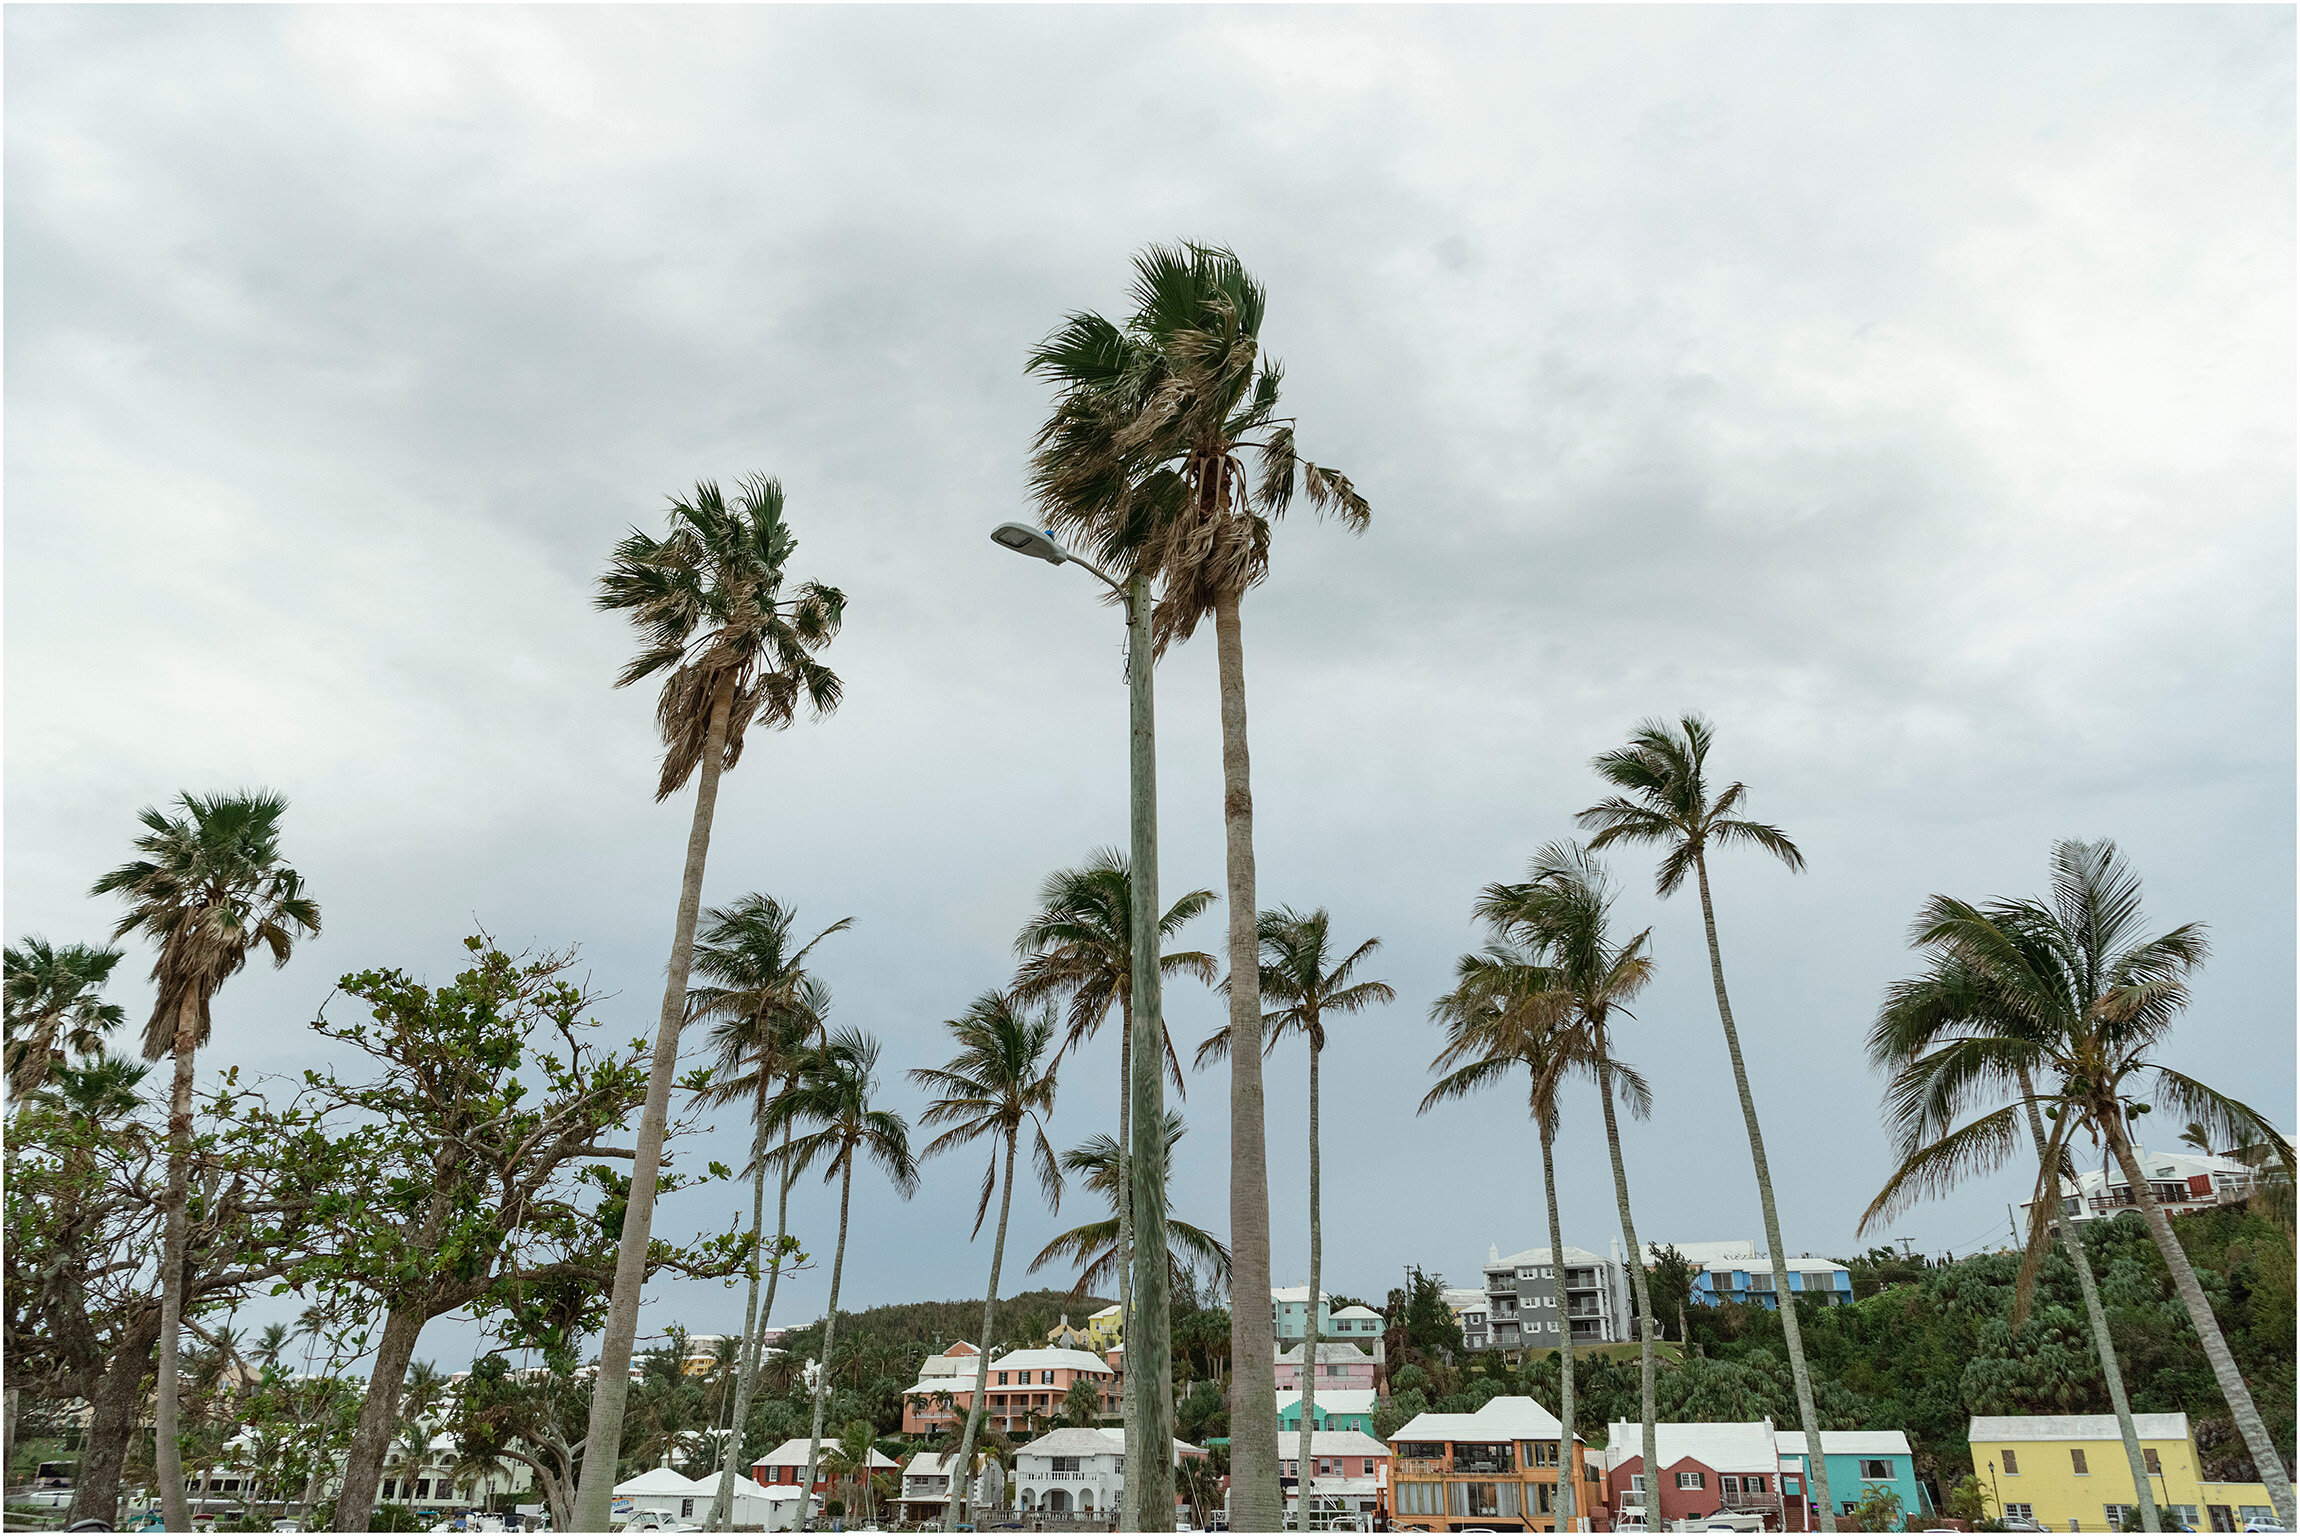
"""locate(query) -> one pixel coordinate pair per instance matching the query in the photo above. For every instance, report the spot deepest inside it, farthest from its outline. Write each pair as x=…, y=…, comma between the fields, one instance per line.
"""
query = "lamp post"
x=1148, y=1403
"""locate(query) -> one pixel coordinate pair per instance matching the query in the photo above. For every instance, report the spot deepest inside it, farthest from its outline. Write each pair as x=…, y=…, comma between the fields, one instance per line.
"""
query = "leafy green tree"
x=1879, y=1508
x=534, y=1416
x=999, y=1085
x=1665, y=801
x=211, y=888
x=709, y=603
x=1093, y=1247
x=1669, y=1280
x=1142, y=458
x=55, y=1009
x=2098, y=998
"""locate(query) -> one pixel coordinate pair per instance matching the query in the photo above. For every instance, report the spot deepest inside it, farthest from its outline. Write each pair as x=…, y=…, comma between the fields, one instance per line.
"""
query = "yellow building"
x=1098, y=1335
x=2068, y=1472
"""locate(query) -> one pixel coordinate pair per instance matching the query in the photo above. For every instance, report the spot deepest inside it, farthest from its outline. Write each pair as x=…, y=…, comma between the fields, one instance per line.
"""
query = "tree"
x=1142, y=458
x=849, y=1462
x=708, y=600
x=1307, y=983
x=211, y=889
x=769, y=1011
x=2096, y=998
x=55, y=1009
x=1665, y=801
x=834, y=1095
x=463, y=1165
x=999, y=1084
x=1094, y=1246
x=535, y=1417
x=1562, y=911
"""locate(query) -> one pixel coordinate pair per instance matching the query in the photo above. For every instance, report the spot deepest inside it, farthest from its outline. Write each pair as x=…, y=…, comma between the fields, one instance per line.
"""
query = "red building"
x=1706, y=1469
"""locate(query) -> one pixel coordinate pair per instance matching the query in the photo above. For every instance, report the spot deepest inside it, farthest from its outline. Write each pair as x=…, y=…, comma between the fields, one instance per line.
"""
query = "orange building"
x=1495, y=1469
x=1027, y=1387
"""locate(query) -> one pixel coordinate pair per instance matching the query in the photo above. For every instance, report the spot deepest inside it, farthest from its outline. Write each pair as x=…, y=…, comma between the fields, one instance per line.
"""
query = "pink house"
x=1342, y=1366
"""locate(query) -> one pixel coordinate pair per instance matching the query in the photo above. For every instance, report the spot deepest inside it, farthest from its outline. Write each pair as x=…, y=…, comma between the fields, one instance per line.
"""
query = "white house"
x=926, y=1485
x=2180, y=1181
x=665, y=1492
x=750, y=1504
x=1076, y=1471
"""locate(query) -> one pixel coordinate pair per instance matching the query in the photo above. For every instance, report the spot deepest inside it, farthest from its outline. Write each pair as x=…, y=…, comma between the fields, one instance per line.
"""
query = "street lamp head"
x=1023, y=539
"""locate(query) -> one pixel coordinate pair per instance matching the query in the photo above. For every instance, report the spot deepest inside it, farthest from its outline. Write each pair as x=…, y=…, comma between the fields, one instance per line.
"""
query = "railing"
x=1420, y=1466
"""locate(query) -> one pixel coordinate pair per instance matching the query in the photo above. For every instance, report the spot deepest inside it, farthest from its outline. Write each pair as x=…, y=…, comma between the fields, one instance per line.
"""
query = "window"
x=1794, y=1487
x=1369, y=1466
x=1065, y=1463
x=1692, y=1479
x=1002, y=1378
x=1753, y=1484
x=1729, y=1485
x=2012, y=1463
x=1878, y=1471
x=2020, y=1512
x=1045, y=1379
x=1419, y=1498
x=2122, y=1517
x=1544, y=1452
x=2076, y=1464
x=2148, y=1459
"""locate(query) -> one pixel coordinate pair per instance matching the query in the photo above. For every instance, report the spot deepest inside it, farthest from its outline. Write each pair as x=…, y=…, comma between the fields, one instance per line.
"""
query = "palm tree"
x=1666, y=802
x=1948, y=1000
x=769, y=1010
x=1508, y=1010
x=1094, y=1246
x=1561, y=913
x=1301, y=977
x=999, y=1083
x=272, y=1343
x=849, y=1462
x=709, y=603
x=54, y=1008
x=1142, y=458
x=2093, y=999
x=834, y=1096
x=211, y=888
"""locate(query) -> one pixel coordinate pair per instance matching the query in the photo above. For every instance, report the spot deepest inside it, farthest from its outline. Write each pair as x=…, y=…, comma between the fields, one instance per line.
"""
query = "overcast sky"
x=1911, y=390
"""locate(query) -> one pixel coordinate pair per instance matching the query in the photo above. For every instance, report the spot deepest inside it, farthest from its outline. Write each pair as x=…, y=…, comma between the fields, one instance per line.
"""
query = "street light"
x=1149, y=1404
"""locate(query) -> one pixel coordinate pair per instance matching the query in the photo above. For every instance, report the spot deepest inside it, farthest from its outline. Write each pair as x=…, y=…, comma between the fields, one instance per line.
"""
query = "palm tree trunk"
x=830, y=1335
x=1565, y=1484
x=378, y=1416
x=611, y=1389
x=1149, y=1486
x=1129, y=1420
x=1650, y=1448
x=2273, y=1472
x=723, y=1503
x=2096, y=1316
x=1816, y=1463
x=1255, y=1504
x=962, y=1470
x=167, y=1455
x=1302, y=1481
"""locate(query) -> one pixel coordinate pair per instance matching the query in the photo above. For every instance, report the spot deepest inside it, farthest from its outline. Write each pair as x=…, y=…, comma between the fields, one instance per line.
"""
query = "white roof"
x=1090, y=1442
x=793, y=1453
x=1504, y=1418
x=1109, y=1311
x=1333, y=1400
x=663, y=1480
x=1358, y=1311
x=1747, y=1447
x=1300, y=1293
x=1050, y=1360
x=1849, y=1442
x=2157, y=1165
x=1330, y=1352
x=2077, y=1426
x=744, y=1487
x=1575, y=1258
x=1332, y=1442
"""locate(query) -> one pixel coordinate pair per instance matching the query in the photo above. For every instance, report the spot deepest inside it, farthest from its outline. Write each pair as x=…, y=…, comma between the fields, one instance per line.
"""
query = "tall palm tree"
x=211, y=888
x=709, y=602
x=2094, y=998
x=272, y=1343
x=1509, y=1010
x=1562, y=911
x=1950, y=1000
x=1665, y=801
x=834, y=1097
x=769, y=1011
x=999, y=1084
x=1142, y=457
x=54, y=1008
x=1307, y=984
x=1093, y=1247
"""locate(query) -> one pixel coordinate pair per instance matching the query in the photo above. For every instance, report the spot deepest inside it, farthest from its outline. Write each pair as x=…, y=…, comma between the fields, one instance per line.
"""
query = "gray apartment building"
x=1532, y=1299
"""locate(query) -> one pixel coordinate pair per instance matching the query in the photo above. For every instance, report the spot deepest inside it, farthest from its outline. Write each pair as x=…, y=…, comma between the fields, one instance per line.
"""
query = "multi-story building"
x=1361, y=1325
x=1290, y=1313
x=2070, y=1472
x=1343, y=1408
x=1025, y=1385
x=926, y=1489
x=786, y=1464
x=1533, y=1301
x=1076, y=1471
x=1495, y=1469
x=1469, y=1310
x=1104, y=1330
x=1859, y=1459
x=1348, y=1477
x=1344, y=1367
x=2180, y=1181
x=1706, y=1469
x=1736, y=1271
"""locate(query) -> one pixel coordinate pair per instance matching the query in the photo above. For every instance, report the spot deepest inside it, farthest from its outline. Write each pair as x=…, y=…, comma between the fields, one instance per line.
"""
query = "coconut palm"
x=1094, y=1246
x=710, y=605
x=834, y=1096
x=999, y=1084
x=1304, y=980
x=210, y=889
x=1508, y=1011
x=1948, y=1000
x=2092, y=999
x=1561, y=911
x=54, y=1008
x=768, y=1010
x=1665, y=801
x=1142, y=459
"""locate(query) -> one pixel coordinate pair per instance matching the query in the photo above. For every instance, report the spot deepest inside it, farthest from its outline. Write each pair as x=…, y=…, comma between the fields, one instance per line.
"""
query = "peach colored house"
x=1027, y=1387
x=1343, y=1367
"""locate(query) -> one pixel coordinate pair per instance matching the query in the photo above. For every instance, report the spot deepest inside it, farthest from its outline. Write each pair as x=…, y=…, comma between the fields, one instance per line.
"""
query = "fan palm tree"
x=1094, y=1246
x=2092, y=998
x=1948, y=1000
x=769, y=1011
x=211, y=889
x=1307, y=984
x=834, y=1096
x=998, y=1085
x=1665, y=801
x=1142, y=459
x=1561, y=912
x=710, y=605
x=55, y=1009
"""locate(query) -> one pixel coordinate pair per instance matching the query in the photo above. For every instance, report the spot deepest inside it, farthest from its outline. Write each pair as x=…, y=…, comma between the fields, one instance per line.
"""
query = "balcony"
x=1419, y=1466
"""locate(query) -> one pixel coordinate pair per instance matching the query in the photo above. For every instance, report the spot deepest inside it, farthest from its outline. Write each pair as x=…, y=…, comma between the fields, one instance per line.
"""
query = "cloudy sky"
x=1911, y=390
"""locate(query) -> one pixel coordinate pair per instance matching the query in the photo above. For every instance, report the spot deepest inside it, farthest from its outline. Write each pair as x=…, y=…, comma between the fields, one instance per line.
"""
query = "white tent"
x=664, y=1490
x=752, y=1501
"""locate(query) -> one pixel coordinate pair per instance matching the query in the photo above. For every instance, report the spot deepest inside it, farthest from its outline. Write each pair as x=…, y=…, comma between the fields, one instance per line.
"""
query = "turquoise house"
x=1859, y=1459
x=1335, y=1408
